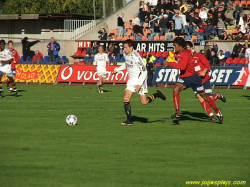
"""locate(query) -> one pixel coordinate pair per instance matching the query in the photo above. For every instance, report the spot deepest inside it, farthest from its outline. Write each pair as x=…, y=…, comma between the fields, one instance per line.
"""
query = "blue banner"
x=219, y=75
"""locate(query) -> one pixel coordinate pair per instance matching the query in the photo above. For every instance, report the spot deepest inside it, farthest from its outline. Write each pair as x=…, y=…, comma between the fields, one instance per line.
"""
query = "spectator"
x=221, y=56
x=93, y=50
x=215, y=47
x=153, y=3
x=163, y=24
x=37, y=58
x=120, y=24
x=214, y=61
x=223, y=36
x=202, y=52
x=116, y=51
x=110, y=49
x=136, y=24
x=103, y=34
x=241, y=22
x=156, y=30
x=209, y=30
x=240, y=36
x=245, y=47
x=220, y=27
x=237, y=12
x=189, y=27
x=203, y=13
x=229, y=15
x=237, y=49
x=184, y=7
x=53, y=49
x=150, y=67
x=208, y=53
x=179, y=24
x=167, y=5
x=26, y=48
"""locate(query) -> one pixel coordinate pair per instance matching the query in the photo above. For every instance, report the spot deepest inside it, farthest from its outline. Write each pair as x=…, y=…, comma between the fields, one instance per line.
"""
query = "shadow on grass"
x=107, y=91
x=247, y=96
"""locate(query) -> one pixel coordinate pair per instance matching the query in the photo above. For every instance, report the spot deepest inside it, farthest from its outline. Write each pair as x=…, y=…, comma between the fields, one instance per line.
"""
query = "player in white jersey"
x=137, y=81
x=101, y=61
x=6, y=58
x=247, y=56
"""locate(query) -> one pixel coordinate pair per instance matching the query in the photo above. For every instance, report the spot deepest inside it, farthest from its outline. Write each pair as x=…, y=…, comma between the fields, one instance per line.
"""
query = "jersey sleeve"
x=122, y=67
x=142, y=68
x=107, y=58
x=95, y=63
x=9, y=55
x=204, y=61
x=182, y=63
x=247, y=54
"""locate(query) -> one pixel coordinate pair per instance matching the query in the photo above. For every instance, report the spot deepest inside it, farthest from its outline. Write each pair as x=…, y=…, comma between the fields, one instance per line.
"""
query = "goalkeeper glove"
x=171, y=57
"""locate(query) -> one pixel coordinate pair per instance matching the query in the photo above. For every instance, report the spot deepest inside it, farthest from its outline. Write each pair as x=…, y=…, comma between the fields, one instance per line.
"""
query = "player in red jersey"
x=13, y=63
x=202, y=67
x=187, y=78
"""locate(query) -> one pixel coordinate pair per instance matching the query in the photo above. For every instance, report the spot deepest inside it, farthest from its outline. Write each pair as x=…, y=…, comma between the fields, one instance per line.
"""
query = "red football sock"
x=212, y=104
x=206, y=107
x=216, y=96
x=176, y=100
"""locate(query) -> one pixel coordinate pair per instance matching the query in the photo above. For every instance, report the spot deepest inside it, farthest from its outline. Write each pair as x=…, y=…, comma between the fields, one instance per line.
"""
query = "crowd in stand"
x=224, y=19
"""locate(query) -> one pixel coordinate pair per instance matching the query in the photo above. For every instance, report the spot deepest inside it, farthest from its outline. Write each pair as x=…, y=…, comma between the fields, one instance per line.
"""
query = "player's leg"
x=14, y=76
x=217, y=95
x=8, y=83
x=127, y=107
x=9, y=74
x=150, y=98
x=206, y=107
x=208, y=90
x=176, y=99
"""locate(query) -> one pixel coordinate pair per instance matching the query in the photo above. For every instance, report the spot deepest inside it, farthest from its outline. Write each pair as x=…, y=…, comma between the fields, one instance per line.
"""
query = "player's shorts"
x=101, y=72
x=194, y=82
x=131, y=86
x=6, y=69
x=208, y=88
x=14, y=71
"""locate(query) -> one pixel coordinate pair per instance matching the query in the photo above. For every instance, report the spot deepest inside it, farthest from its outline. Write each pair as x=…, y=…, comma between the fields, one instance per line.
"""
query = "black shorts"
x=194, y=82
x=207, y=87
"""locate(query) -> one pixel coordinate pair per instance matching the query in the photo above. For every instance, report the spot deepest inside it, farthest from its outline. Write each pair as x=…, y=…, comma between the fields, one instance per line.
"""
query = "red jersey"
x=185, y=63
x=200, y=63
x=16, y=58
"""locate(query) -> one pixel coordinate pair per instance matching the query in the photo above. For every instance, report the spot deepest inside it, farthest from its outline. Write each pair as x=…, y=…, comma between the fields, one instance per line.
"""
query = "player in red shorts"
x=187, y=78
x=202, y=67
x=13, y=63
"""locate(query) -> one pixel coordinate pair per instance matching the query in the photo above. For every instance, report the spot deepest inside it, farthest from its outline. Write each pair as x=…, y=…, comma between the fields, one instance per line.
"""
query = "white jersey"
x=100, y=60
x=136, y=68
x=6, y=54
x=247, y=54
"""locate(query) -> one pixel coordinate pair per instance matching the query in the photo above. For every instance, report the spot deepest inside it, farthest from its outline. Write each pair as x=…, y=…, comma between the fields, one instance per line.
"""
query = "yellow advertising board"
x=36, y=73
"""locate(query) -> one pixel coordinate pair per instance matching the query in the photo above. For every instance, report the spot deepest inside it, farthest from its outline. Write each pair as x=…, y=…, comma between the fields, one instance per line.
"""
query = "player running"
x=6, y=58
x=187, y=78
x=101, y=61
x=202, y=67
x=13, y=63
x=137, y=81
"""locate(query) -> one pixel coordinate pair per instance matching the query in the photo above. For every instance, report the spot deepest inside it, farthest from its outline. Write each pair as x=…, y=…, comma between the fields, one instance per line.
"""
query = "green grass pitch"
x=37, y=148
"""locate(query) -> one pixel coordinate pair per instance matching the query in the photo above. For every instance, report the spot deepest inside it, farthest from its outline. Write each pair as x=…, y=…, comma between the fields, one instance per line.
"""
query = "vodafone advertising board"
x=78, y=73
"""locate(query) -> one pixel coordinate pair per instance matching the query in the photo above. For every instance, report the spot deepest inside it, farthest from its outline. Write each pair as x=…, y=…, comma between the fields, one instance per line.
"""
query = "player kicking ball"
x=187, y=78
x=202, y=67
x=101, y=61
x=137, y=81
x=6, y=58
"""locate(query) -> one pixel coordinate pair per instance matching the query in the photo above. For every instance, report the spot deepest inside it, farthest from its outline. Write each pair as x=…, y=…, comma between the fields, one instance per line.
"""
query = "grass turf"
x=38, y=149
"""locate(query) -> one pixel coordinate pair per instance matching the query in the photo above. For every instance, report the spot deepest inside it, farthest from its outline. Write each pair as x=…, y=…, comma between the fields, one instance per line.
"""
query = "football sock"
x=127, y=108
x=151, y=98
x=206, y=107
x=216, y=96
x=176, y=100
x=8, y=82
x=212, y=105
x=1, y=86
x=13, y=84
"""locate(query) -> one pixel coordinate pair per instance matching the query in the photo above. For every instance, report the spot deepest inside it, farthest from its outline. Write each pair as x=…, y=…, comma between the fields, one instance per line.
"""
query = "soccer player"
x=6, y=58
x=187, y=78
x=202, y=67
x=137, y=81
x=13, y=66
x=101, y=61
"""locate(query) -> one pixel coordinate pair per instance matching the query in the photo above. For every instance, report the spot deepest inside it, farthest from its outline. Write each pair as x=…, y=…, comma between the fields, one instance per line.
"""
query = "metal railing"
x=74, y=29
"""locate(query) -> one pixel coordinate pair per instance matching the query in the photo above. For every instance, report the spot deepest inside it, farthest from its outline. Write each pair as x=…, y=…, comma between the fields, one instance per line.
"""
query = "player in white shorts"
x=137, y=81
x=247, y=57
x=6, y=58
x=101, y=61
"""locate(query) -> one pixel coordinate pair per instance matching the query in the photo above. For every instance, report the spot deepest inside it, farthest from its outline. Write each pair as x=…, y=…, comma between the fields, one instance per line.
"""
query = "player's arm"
x=17, y=58
x=107, y=61
x=143, y=74
x=95, y=63
x=9, y=58
x=117, y=69
x=205, y=62
x=247, y=56
x=182, y=63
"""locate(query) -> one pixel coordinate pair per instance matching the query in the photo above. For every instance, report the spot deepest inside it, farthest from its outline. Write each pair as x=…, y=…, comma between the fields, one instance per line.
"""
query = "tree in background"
x=57, y=6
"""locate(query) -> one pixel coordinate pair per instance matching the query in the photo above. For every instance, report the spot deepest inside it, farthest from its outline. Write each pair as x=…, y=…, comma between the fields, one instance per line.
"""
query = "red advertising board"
x=78, y=73
x=84, y=44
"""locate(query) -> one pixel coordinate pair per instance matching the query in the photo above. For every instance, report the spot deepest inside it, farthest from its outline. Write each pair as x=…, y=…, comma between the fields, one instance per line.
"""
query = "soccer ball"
x=71, y=120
